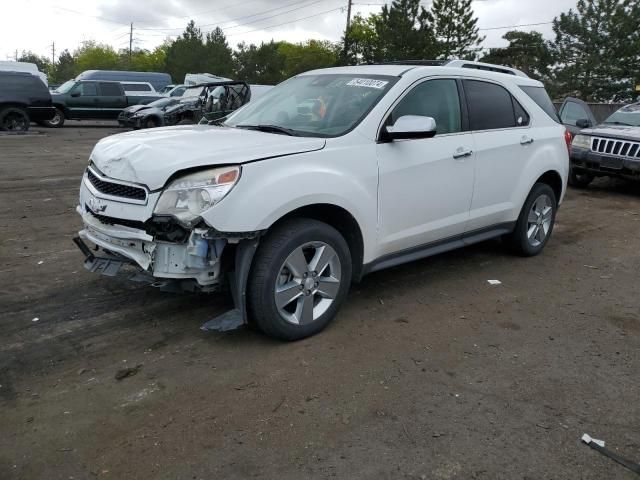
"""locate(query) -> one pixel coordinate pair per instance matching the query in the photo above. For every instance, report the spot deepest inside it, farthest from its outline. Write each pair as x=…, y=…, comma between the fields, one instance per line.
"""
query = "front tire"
x=57, y=121
x=300, y=276
x=535, y=223
x=580, y=180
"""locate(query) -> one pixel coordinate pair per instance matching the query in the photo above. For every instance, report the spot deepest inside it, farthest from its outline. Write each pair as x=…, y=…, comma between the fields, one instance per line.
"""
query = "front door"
x=83, y=100
x=426, y=185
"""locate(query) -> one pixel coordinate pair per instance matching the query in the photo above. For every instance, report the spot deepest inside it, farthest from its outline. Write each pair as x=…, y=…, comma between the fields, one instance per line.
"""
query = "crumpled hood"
x=150, y=157
x=622, y=132
x=136, y=108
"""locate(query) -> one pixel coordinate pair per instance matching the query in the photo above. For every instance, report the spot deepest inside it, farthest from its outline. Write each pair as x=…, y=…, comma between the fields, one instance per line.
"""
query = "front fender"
x=270, y=189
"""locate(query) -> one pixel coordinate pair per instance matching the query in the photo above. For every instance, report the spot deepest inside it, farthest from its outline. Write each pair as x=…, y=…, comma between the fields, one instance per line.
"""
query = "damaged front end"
x=158, y=237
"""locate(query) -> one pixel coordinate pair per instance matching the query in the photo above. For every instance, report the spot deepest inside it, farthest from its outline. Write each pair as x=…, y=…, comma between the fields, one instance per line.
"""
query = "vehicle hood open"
x=151, y=157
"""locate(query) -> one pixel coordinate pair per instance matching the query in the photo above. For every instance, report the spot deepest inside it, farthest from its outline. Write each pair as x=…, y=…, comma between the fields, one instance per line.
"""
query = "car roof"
x=406, y=69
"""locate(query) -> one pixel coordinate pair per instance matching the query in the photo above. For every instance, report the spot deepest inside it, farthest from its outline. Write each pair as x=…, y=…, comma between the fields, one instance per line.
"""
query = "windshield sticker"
x=367, y=82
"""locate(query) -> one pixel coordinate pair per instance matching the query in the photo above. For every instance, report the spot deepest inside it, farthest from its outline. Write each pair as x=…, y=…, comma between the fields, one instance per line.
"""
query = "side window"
x=110, y=89
x=433, y=98
x=491, y=106
x=572, y=112
x=87, y=89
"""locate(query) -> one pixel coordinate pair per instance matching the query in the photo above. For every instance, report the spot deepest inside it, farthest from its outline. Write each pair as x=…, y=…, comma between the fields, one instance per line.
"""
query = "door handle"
x=462, y=153
x=526, y=140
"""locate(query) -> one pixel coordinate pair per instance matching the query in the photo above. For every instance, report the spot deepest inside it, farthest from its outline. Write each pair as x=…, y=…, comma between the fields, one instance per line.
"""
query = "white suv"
x=331, y=175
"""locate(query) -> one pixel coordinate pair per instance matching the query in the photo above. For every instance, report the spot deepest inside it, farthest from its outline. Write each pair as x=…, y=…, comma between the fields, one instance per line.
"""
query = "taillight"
x=568, y=138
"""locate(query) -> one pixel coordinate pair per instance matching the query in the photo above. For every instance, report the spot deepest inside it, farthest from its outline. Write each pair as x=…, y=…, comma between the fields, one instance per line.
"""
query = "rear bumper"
x=38, y=114
x=586, y=161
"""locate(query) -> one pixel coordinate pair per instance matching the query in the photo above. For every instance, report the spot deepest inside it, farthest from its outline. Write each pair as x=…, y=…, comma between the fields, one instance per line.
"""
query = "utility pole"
x=16, y=57
x=130, y=41
x=53, y=53
x=346, y=32
x=349, y=2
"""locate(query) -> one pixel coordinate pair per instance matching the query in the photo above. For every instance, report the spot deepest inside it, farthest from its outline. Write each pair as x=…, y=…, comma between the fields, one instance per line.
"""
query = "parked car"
x=331, y=175
x=208, y=102
x=23, y=99
x=146, y=115
x=157, y=79
x=32, y=68
x=133, y=89
x=575, y=114
x=611, y=148
x=90, y=99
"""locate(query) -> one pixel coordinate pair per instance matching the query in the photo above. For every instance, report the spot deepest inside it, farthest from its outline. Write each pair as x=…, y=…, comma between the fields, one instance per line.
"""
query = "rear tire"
x=535, y=223
x=57, y=121
x=151, y=122
x=14, y=119
x=580, y=180
x=300, y=276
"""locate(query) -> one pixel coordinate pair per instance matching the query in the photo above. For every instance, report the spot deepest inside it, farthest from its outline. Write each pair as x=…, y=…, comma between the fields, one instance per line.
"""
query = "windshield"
x=66, y=86
x=325, y=105
x=629, y=115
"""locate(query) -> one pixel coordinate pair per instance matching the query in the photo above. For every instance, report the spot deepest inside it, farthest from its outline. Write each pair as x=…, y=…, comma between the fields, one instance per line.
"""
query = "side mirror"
x=75, y=94
x=583, y=123
x=410, y=127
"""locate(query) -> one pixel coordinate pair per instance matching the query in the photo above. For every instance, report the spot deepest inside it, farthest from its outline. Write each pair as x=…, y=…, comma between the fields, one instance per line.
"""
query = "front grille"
x=104, y=219
x=116, y=189
x=620, y=148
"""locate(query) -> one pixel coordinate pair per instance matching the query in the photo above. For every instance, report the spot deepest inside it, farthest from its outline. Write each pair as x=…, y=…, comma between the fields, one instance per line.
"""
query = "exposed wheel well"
x=62, y=108
x=554, y=180
x=343, y=222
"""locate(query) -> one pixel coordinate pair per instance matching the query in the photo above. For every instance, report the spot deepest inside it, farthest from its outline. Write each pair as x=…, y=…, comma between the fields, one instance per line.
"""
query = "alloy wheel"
x=539, y=220
x=307, y=283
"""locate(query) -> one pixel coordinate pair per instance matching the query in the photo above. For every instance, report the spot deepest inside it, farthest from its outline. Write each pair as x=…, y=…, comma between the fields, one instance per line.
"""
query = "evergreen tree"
x=360, y=41
x=597, y=49
x=65, y=68
x=456, y=29
x=219, y=56
x=527, y=51
x=404, y=31
x=264, y=64
x=187, y=54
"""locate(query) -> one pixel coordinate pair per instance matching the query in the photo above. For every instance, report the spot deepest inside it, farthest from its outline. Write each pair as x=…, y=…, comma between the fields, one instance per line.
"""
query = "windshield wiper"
x=619, y=123
x=270, y=129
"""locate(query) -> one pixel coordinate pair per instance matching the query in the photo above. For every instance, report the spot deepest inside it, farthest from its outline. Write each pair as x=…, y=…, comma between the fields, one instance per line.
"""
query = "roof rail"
x=488, y=67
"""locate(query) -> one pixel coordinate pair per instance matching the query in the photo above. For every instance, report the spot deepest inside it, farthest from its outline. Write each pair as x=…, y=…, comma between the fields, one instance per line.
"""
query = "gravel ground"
x=428, y=371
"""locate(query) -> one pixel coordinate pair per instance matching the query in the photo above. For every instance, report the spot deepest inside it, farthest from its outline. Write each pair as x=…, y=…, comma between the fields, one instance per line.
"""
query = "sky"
x=37, y=24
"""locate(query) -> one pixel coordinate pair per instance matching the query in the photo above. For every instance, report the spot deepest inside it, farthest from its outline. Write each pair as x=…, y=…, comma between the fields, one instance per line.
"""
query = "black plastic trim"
x=440, y=246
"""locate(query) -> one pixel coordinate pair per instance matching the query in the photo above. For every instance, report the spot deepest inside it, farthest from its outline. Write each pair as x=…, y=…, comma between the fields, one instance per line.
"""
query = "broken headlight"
x=187, y=197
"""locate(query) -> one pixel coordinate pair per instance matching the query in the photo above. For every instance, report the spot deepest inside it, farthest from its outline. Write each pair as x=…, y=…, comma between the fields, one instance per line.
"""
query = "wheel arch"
x=63, y=109
x=554, y=180
x=340, y=219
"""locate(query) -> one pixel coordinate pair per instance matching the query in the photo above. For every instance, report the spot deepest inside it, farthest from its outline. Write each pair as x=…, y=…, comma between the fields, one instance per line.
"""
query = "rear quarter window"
x=490, y=106
x=541, y=97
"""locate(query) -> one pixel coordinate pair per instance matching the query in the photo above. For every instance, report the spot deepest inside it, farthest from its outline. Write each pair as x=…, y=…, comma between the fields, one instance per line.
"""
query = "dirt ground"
x=429, y=372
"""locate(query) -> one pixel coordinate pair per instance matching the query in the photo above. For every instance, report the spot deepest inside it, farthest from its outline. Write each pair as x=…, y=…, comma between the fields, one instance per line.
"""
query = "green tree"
x=219, y=57
x=187, y=54
x=309, y=55
x=95, y=56
x=456, y=29
x=527, y=51
x=597, y=50
x=404, y=31
x=64, y=69
x=264, y=64
x=361, y=42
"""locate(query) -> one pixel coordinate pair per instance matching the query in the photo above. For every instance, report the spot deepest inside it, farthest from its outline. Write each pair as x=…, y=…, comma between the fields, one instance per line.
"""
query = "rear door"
x=83, y=100
x=504, y=143
x=112, y=99
x=574, y=109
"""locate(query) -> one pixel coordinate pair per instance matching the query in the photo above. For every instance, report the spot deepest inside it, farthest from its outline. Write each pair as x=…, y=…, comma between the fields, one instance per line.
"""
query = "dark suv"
x=611, y=148
x=23, y=99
